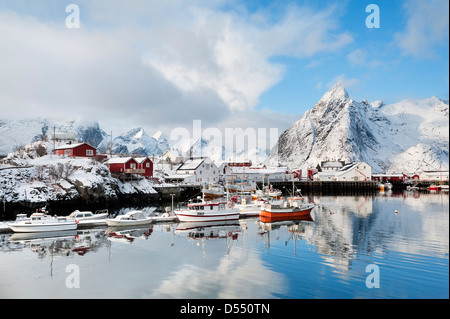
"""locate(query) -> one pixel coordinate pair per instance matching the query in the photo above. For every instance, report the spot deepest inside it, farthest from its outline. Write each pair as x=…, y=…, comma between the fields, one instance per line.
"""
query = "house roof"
x=141, y=159
x=66, y=146
x=191, y=164
x=119, y=160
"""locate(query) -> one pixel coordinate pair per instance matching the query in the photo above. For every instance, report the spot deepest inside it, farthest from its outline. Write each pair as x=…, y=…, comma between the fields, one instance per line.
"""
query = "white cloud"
x=359, y=57
x=344, y=81
x=426, y=28
x=156, y=64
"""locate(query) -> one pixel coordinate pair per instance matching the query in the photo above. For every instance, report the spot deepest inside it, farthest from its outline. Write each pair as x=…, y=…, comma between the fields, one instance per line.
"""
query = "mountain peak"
x=337, y=92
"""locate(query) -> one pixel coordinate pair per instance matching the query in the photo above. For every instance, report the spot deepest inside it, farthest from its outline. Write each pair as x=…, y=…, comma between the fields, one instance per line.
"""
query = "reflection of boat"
x=291, y=209
x=214, y=191
x=434, y=187
x=88, y=215
x=133, y=218
x=207, y=211
x=41, y=222
x=54, y=235
x=444, y=188
x=128, y=235
x=210, y=229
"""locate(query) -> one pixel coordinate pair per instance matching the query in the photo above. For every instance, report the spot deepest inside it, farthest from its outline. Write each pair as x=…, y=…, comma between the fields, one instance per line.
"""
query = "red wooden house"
x=146, y=164
x=77, y=149
x=122, y=165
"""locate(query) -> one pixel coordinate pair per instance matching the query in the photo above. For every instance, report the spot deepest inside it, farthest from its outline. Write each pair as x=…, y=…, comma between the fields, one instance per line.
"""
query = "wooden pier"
x=327, y=187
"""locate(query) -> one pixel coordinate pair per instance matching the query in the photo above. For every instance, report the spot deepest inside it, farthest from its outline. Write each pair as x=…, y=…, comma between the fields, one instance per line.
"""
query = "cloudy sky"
x=234, y=63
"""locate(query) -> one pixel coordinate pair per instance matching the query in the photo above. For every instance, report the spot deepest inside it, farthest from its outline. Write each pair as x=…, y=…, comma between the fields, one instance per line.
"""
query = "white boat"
x=41, y=222
x=88, y=215
x=133, y=218
x=208, y=211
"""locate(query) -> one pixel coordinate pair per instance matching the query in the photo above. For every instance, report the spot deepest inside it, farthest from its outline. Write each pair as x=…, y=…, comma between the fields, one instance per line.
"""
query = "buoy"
x=396, y=212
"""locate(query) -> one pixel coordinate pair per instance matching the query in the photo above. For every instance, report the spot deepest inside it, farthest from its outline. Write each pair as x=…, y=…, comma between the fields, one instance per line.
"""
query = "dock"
x=327, y=187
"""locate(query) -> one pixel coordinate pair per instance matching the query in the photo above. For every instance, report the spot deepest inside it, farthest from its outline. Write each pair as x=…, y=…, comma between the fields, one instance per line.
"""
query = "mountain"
x=19, y=132
x=407, y=136
x=137, y=141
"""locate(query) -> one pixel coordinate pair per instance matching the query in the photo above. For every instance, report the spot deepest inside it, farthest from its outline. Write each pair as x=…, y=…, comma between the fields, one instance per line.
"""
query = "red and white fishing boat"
x=434, y=187
x=208, y=211
x=291, y=209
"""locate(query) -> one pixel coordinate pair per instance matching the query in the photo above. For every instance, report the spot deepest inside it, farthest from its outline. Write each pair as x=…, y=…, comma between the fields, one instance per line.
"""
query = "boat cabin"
x=208, y=206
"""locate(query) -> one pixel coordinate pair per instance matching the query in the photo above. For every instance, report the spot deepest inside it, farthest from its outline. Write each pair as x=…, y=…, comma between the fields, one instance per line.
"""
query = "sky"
x=161, y=65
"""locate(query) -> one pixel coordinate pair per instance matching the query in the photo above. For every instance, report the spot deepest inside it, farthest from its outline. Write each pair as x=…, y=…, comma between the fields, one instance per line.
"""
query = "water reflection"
x=245, y=259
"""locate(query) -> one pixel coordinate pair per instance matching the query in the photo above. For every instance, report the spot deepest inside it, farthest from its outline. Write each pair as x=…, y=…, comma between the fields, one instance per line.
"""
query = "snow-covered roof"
x=66, y=146
x=118, y=160
x=140, y=159
x=191, y=164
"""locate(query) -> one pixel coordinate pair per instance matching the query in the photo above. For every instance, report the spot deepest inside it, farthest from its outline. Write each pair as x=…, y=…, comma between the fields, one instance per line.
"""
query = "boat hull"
x=268, y=216
x=120, y=223
x=189, y=216
x=32, y=228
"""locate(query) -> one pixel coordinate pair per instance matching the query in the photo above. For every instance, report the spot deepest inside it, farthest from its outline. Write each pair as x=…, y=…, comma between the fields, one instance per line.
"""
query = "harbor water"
x=388, y=246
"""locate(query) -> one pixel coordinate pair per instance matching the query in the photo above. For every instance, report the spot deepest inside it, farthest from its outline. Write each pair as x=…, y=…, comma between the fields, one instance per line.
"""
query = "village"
x=172, y=168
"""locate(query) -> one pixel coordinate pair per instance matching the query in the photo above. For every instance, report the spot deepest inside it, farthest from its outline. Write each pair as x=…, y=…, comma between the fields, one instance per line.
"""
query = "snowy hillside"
x=407, y=136
x=17, y=133
x=50, y=178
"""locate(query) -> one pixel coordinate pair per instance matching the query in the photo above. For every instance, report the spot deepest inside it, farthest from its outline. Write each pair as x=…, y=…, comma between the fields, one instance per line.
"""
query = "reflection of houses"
x=76, y=150
x=358, y=171
x=202, y=169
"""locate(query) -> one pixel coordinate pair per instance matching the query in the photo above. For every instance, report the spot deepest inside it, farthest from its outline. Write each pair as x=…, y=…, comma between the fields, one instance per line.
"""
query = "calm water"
x=324, y=258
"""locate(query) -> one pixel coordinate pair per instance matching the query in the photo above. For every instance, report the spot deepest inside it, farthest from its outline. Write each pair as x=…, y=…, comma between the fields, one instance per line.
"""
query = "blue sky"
x=237, y=63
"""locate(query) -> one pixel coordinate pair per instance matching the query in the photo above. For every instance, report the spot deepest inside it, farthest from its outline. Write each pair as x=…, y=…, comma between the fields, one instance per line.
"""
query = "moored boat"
x=434, y=187
x=291, y=209
x=132, y=218
x=213, y=192
x=41, y=222
x=208, y=211
x=88, y=215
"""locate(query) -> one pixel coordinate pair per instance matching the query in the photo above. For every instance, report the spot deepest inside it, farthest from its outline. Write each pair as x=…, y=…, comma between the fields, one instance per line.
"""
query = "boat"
x=240, y=187
x=208, y=211
x=88, y=215
x=434, y=187
x=290, y=209
x=213, y=192
x=267, y=193
x=41, y=222
x=132, y=218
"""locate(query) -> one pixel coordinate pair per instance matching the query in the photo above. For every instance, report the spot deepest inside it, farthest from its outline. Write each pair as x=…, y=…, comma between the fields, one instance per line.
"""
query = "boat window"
x=201, y=207
x=211, y=207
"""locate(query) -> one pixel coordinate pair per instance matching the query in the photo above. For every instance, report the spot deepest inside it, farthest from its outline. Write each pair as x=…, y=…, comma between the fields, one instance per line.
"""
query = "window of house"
x=147, y=164
x=133, y=165
x=67, y=152
x=89, y=153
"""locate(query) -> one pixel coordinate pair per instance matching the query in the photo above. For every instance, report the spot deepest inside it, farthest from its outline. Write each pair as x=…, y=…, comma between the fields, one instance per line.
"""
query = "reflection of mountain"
x=346, y=226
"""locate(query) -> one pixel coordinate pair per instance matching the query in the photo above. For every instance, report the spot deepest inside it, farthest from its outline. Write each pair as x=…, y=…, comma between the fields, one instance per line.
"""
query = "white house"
x=233, y=171
x=203, y=170
x=358, y=171
x=434, y=176
x=172, y=156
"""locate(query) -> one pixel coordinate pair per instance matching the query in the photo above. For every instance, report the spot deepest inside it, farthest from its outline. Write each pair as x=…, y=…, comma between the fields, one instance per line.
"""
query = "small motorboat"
x=88, y=215
x=434, y=187
x=291, y=209
x=133, y=218
x=41, y=222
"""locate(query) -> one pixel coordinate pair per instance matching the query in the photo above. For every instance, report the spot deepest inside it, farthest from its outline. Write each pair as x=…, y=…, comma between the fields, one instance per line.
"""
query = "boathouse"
x=357, y=171
x=146, y=164
x=124, y=165
x=76, y=150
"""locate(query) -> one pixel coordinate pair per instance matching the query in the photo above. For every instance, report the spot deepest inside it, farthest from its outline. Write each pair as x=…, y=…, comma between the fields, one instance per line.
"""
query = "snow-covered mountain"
x=136, y=141
x=407, y=136
x=20, y=132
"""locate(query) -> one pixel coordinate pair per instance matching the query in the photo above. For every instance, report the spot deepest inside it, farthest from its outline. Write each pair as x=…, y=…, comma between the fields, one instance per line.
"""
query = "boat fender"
x=229, y=205
x=76, y=221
